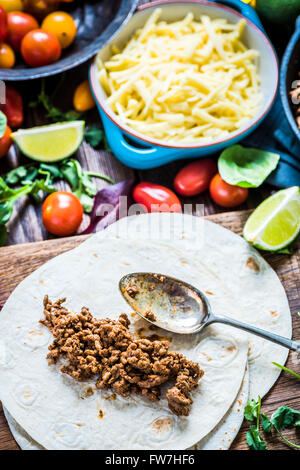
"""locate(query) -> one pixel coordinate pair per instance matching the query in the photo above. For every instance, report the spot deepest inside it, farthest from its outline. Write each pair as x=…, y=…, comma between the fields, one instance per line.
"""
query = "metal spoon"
x=179, y=307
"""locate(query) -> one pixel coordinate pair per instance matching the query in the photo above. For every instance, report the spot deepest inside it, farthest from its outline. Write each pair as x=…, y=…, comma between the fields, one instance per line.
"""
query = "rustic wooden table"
x=25, y=225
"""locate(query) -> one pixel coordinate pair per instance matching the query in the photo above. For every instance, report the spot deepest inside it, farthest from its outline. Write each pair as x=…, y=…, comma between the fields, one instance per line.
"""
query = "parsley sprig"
x=253, y=437
x=283, y=418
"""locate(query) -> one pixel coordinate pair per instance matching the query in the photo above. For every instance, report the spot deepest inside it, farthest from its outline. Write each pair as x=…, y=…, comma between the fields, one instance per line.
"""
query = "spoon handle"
x=287, y=343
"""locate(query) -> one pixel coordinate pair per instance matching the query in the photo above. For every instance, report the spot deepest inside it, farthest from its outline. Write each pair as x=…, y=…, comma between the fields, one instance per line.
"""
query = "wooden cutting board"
x=16, y=262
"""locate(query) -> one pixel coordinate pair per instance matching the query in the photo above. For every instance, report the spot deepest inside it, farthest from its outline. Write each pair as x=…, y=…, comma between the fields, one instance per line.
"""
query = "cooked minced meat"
x=150, y=315
x=105, y=349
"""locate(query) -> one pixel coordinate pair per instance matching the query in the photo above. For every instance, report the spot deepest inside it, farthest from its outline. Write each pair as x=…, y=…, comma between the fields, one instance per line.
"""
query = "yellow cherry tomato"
x=7, y=56
x=11, y=5
x=83, y=99
x=61, y=25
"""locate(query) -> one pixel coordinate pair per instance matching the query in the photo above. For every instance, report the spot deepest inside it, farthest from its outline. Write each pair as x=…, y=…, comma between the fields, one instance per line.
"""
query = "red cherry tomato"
x=5, y=142
x=194, y=178
x=13, y=107
x=40, y=48
x=226, y=195
x=18, y=25
x=3, y=24
x=62, y=213
x=156, y=198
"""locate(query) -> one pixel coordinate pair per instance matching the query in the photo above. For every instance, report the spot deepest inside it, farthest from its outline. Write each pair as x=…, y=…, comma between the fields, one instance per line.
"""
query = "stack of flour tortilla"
x=48, y=409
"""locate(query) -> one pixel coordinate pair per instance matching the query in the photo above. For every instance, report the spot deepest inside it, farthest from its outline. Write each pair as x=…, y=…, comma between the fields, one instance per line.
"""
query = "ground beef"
x=150, y=315
x=106, y=349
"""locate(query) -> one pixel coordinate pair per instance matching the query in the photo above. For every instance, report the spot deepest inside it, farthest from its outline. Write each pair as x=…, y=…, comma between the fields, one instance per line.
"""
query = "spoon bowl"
x=166, y=302
x=179, y=307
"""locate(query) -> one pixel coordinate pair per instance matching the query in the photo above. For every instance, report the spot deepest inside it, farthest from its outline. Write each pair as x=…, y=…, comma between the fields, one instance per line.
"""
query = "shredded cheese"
x=187, y=82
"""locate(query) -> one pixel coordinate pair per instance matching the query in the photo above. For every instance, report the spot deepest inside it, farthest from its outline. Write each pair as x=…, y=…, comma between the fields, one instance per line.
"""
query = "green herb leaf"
x=16, y=175
x=254, y=440
x=6, y=209
x=250, y=411
x=94, y=135
x=246, y=167
x=285, y=417
x=266, y=423
x=69, y=171
x=87, y=202
x=5, y=191
x=3, y=123
x=30, y=176
x=52, y=169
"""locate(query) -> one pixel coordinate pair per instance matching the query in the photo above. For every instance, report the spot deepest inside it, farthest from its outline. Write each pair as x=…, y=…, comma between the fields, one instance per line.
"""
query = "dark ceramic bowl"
x=97, y=23
x=289, y=74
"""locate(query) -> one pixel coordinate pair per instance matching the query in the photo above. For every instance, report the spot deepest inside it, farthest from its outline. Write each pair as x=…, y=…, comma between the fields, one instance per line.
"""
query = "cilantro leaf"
x=89, y=187
x=254, y=440
x=250, y=411
x=52, y=169
x=266, y=423
x=285, y=417
x=94, y=135
x=16, y=175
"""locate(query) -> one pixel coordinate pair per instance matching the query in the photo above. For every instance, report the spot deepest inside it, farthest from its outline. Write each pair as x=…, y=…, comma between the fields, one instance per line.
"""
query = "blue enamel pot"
x=141, y=152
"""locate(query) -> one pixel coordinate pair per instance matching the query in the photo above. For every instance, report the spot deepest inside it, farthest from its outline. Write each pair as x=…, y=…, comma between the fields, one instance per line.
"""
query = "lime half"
x=50, y=143
x=276, y=221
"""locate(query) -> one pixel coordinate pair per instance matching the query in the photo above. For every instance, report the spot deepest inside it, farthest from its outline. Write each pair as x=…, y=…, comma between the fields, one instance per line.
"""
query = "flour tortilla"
x=220, y=438
x=89, y=275
x=223, y=435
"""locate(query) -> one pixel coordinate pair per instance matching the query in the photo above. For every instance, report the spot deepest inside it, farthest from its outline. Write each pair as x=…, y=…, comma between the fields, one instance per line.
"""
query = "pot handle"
x=140, y=156
x=245, y=10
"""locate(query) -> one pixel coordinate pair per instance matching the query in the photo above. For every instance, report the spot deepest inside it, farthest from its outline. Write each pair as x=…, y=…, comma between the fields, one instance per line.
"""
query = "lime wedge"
x=275, y=223
x=50, y=143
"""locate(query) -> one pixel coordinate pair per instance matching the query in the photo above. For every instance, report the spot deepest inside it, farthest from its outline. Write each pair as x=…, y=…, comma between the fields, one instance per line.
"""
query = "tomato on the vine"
x=18, y=25
x=194, y=178
x=62, y=213
x=40, y=48
x=226, y=195
x=156, y=198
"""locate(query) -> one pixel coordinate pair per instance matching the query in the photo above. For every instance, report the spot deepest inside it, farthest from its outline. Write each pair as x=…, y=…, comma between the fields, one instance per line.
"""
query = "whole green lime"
x=279, y=11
